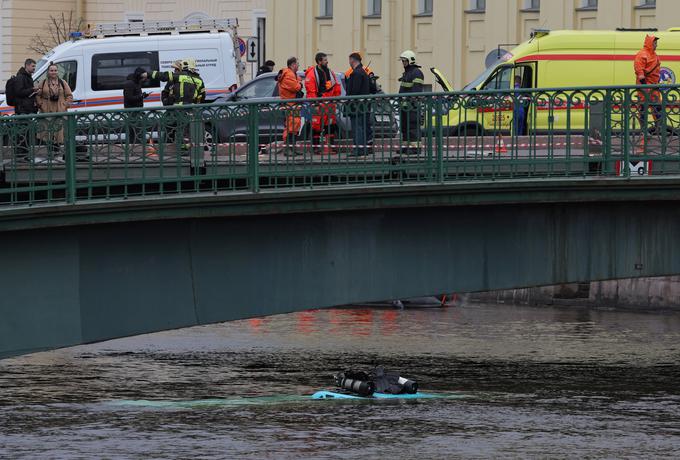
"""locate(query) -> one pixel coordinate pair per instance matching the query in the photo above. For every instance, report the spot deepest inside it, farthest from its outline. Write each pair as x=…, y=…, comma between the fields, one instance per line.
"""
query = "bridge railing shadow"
x=270, y=144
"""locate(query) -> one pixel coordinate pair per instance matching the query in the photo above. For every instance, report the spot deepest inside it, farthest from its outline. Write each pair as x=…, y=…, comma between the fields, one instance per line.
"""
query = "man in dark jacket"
x=133, y=97
x=359, y=111
x=25, y=94
x=267, y=67
x=132, y=89
x=25, y=90
x=411, y=81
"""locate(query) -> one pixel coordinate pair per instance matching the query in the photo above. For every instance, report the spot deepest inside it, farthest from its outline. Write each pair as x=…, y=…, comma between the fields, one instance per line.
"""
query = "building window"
x=591, y=4
x=425, y=7
x=648, y=3
x=532, y=4
x=375, y=7
x=326, y=9
x=478, y=5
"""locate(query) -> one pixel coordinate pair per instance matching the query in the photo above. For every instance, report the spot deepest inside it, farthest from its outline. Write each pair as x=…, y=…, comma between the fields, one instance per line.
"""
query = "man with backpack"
x=21, y=92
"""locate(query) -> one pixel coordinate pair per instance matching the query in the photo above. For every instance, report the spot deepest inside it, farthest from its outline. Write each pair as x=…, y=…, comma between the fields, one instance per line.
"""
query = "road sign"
x=241, y=46
x=253, y=50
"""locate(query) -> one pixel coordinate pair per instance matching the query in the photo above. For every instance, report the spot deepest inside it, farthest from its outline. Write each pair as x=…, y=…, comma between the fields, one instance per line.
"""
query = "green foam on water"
x=258, y=400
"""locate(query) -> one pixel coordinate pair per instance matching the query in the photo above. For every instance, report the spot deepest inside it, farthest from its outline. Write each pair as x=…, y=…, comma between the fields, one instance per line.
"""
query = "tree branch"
x=56, y=32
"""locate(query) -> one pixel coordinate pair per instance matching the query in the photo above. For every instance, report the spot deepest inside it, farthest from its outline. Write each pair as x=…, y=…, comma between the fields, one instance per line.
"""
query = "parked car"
x=271, y=119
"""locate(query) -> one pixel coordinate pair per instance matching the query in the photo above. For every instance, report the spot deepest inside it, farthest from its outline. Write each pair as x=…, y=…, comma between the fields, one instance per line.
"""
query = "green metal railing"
x=517, y=134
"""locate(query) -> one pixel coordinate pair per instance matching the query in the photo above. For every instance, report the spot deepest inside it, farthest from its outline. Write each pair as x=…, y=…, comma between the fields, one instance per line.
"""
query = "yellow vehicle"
x=558, y=59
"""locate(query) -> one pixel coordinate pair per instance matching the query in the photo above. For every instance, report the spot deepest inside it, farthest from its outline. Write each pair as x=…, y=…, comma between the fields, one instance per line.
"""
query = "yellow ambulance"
x=557, y=59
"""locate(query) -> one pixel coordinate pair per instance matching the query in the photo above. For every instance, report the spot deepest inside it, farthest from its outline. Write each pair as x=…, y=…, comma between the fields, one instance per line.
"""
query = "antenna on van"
x=540, y=31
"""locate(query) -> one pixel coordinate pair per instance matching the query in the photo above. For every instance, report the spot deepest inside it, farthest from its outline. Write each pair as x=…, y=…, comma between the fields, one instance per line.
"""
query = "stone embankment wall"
x=638, y=293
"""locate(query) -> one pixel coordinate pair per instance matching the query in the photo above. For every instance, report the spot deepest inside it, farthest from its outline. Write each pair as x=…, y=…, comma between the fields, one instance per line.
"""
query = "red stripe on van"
x=590, y=57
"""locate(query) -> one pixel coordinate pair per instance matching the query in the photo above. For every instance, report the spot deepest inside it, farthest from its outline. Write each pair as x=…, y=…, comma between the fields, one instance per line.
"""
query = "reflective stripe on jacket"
x=411, y=80
x=186, y=88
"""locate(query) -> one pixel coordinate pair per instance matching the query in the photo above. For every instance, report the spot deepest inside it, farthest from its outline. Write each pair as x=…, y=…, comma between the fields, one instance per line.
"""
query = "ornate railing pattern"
x=517, y=134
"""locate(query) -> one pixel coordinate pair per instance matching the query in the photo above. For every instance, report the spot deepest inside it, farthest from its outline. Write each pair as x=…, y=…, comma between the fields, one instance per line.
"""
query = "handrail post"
x=429, y=137
x=606, y=136
x=439, y=134
x=627, y=107
x=71, y=178
x=197, y=139
x=253, y=148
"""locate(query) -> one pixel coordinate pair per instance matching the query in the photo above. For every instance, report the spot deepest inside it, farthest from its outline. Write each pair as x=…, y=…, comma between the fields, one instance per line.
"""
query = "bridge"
x=138, y=229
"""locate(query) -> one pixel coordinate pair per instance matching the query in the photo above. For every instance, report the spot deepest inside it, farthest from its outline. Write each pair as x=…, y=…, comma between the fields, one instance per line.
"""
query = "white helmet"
x=409, y=55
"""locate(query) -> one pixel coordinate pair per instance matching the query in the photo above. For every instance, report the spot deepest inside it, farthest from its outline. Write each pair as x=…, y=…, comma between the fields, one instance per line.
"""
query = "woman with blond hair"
x=55, y=96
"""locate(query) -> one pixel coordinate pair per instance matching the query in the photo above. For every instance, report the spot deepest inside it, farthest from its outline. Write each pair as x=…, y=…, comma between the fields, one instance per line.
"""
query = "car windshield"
x=41, y=63
x=484, y=75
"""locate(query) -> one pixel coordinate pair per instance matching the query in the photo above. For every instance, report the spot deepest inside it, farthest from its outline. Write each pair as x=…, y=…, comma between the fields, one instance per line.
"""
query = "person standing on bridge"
x=518, y=109
x=55, y=97
x=21, y=93
x=133, y=97
x=411, y=81
x=647, y=66
x=185, y=87
x=290, y=87
x=321, y=82
x=359, y=111
x=192, y=71
x=267, y=67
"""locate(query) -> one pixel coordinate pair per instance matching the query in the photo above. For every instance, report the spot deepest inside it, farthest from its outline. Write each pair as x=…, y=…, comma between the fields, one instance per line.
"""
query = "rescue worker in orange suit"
x=290, y=87
x=321, y=82
x=647, y=67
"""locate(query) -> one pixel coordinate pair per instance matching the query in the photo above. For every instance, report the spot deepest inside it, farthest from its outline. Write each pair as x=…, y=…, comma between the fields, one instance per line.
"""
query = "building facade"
x=21, y=20
x=453, y=35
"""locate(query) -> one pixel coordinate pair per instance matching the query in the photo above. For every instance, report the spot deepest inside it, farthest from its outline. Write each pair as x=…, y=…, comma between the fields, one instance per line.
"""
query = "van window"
x=67, y=71
x=500, y=80
x=110, y=70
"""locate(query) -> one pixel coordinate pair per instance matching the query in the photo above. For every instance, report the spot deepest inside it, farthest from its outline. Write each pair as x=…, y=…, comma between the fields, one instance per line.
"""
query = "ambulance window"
x=500, y=79
x=67, y=71
x=110, y=70
x=524, y=76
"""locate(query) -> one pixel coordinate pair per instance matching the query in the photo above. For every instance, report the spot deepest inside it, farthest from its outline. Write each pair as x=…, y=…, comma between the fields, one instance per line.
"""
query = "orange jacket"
x=647, y=64
x=289, y=84
x=349, y=71
x=332, y=86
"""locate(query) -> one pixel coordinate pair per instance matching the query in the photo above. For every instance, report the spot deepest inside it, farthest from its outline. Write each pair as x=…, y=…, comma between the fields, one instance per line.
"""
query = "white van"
x=96, y=68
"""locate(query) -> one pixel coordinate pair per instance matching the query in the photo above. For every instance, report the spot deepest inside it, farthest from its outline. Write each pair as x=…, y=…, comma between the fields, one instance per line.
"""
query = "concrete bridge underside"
x=86, y=273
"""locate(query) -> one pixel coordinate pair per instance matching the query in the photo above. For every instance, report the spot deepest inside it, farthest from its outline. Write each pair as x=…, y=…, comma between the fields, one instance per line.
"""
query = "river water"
x=512, y=382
